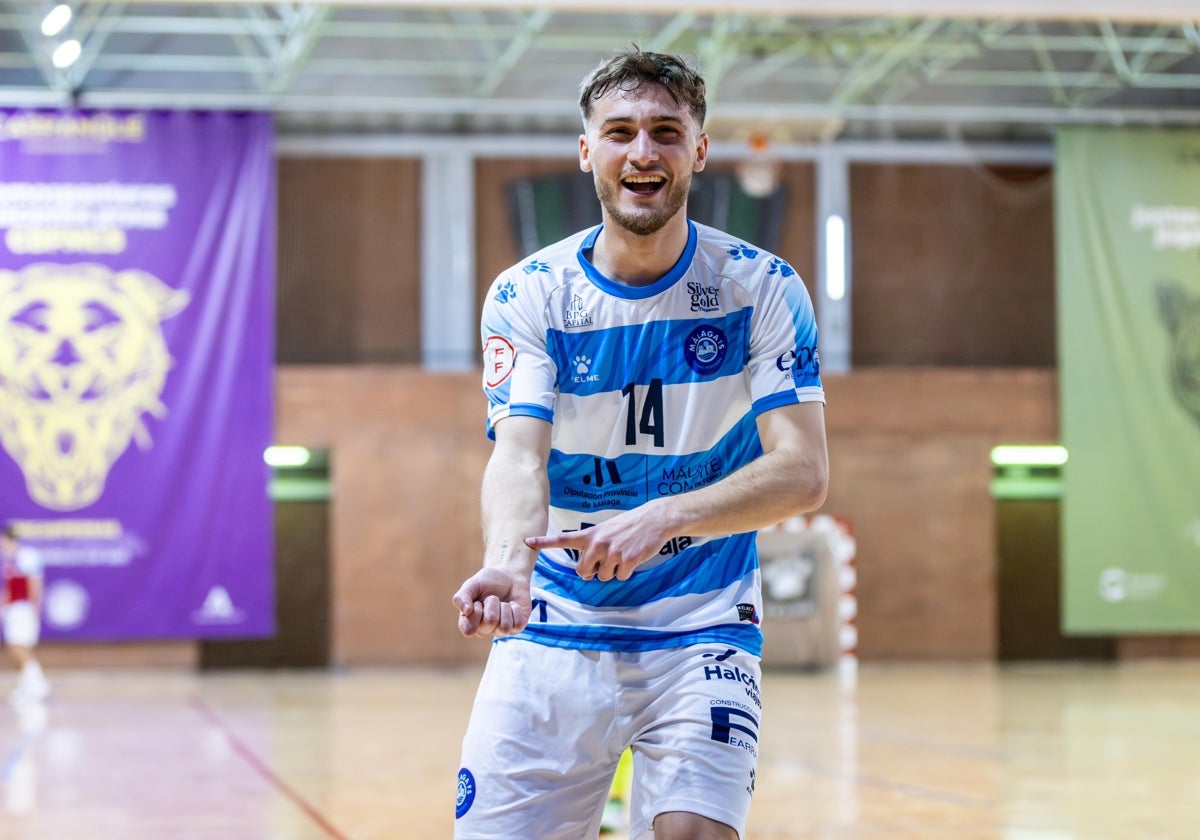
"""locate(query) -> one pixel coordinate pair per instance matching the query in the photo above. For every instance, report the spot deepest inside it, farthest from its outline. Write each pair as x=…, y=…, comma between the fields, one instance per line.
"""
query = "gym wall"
x=953, y=349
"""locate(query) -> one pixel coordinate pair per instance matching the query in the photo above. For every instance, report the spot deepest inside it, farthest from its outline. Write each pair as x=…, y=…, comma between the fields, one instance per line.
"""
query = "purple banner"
x=137, y=268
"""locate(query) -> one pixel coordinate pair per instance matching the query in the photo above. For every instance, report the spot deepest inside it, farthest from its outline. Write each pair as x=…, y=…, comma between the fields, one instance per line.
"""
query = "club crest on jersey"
x=577, y=314
x=466, y=793
x=704, y=349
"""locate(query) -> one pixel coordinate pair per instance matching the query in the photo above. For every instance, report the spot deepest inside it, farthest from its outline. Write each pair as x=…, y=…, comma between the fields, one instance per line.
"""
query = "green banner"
x=1127, y=216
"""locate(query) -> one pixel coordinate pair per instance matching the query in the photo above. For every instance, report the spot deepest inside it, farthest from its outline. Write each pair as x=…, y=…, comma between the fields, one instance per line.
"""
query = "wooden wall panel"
x=909, y=455
x=799, y=246
x=910, y=470
x=495, y=244
x=349, y=276
x=952, y=266
x=954, y=352
x=407, y=450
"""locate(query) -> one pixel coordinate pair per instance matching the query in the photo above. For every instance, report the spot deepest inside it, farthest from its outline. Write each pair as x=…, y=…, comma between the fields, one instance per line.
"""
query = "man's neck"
x=639, y=260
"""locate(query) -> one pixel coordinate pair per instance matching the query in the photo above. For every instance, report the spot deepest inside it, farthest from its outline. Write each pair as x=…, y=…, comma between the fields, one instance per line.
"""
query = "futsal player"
x=20, y=606
x=654, y=397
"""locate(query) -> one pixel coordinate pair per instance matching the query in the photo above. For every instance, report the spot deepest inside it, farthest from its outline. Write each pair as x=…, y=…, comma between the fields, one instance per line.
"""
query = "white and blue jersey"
x=651, y=391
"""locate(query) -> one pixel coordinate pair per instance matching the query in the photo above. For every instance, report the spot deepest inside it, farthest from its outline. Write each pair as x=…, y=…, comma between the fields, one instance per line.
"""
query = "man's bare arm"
x=514, y=498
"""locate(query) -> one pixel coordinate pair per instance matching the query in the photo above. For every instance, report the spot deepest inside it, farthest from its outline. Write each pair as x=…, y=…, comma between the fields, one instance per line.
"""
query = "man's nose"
x=643, y=148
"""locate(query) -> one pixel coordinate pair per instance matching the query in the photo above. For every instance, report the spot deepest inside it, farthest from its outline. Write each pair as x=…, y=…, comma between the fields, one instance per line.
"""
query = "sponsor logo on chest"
x=576, y=314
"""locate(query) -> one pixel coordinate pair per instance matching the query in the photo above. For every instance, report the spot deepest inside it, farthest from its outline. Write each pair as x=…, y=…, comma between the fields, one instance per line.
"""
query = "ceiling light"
x=1029, y=456
x=56, y=20
x=835, y=257
x=286, y=456
x=66, y=54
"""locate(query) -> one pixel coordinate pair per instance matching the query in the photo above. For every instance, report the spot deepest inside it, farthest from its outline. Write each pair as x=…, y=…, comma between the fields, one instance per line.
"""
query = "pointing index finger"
x=563, y=540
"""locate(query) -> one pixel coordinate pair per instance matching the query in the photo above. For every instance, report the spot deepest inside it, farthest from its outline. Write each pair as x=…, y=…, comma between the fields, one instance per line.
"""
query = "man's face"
x=642, y=148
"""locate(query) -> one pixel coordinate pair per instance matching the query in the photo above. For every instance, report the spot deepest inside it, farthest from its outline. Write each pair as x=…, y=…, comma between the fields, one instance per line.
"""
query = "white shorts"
x=549, y=725
x=21, y=624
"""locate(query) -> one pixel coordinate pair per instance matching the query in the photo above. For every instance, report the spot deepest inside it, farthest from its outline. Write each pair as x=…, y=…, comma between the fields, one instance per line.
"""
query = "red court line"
x=266, y=772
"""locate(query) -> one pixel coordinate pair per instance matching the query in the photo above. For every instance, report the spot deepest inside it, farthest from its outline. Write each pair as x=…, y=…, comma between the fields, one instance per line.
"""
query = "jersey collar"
x=621, y=290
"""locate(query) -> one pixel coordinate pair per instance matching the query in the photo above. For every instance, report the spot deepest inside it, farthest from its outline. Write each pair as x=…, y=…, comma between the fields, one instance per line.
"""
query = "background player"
x=21, y=605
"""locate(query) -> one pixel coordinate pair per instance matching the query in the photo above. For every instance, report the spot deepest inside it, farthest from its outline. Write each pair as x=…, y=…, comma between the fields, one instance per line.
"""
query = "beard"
x=642, y=222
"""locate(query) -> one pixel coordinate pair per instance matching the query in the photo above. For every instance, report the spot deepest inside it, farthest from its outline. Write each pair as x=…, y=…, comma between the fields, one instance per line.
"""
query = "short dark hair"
x=632, y=69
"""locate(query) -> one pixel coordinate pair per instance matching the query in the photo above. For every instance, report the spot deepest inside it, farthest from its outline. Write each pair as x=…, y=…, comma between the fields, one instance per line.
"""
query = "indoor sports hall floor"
x=920, y=752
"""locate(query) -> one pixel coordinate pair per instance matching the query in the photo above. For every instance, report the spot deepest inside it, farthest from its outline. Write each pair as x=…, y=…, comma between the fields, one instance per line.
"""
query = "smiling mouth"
x=643, y=184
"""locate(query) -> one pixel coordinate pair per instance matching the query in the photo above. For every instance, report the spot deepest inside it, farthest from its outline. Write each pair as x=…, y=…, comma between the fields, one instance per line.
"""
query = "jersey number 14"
x=651, y=420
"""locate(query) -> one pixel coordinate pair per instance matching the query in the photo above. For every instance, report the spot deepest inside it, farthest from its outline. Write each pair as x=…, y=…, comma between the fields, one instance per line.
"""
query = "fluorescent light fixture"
x=66, y=54
x=286, y=456
x=835, y=257
x=56, y=20
x=1029, y=456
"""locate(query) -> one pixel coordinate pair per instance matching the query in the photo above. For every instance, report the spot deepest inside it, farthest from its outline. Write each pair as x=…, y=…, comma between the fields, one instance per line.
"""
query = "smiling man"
x=654, y=397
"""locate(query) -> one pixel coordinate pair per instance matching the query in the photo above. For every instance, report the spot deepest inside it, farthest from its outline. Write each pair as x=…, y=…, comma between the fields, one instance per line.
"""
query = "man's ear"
x=701, y=153
x=585, y=159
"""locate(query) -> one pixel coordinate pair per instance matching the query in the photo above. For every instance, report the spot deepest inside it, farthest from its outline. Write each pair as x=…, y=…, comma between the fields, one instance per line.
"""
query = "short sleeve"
x=518, y=374
x=785, y=365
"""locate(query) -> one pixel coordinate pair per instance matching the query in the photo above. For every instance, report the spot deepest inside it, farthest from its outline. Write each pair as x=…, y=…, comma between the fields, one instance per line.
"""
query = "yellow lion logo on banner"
x=82, y=358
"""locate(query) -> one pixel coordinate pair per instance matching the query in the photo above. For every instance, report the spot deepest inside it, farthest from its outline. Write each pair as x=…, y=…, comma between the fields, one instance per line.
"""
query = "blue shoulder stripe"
x=775, y=400
x=523, y=410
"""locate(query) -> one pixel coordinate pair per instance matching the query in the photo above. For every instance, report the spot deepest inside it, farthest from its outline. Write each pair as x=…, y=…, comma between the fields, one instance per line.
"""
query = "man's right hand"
x=493, y=602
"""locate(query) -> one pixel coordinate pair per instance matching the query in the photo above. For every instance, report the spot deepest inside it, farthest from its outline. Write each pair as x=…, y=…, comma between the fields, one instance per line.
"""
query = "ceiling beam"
x=92, y=39
x=513, y=53
x=871, y=70
x=303, y=33
x=1093, y=10
x=430, y=105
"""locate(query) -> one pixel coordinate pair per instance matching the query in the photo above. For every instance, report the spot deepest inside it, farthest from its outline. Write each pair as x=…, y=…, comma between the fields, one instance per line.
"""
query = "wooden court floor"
x=904, y=751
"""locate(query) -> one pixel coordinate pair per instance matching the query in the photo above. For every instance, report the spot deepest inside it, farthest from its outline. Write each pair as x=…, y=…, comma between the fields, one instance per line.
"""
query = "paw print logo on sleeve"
x=740, y=250
x=507, y=291
x=781, y=268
